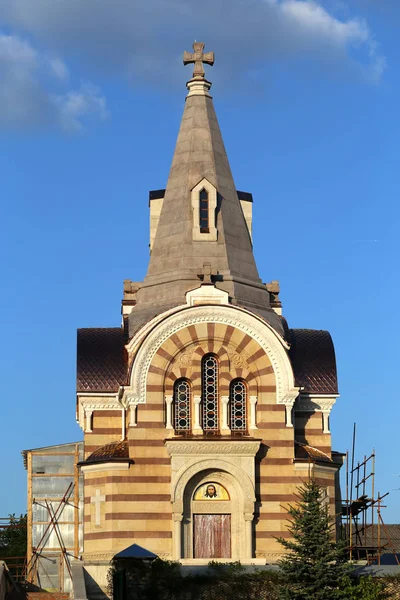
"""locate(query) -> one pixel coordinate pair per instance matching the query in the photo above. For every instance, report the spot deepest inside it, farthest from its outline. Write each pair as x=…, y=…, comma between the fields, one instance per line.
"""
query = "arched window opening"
x=182, y=405
x=238, y=406
x=210, y=393
x=204, y=211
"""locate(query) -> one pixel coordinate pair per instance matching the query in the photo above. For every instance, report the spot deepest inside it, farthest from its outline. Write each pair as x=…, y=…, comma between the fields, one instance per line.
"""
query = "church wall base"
x=201, y=562
x=96, y=580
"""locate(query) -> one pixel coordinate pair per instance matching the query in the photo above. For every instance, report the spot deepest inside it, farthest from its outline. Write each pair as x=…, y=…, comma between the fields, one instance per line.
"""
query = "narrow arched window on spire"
x=204, y=216
x=182, y=406
x=238, y=406
x=209, y=372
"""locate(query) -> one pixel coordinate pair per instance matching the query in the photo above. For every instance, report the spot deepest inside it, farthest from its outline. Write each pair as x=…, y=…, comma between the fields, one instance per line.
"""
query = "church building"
x=204, y=411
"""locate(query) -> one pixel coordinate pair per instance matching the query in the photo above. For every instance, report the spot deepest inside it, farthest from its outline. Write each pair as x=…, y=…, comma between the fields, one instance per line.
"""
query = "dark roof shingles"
x=313, y=360
x=114, y=451
x=101, y=360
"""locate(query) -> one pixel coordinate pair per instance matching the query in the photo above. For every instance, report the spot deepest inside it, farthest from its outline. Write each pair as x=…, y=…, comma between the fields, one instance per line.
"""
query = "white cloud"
x=315, y=20
x=144, y=41
x=59, y=68
x=315, y=23
x=128, y=37
x=76, y=105
x=30, y=94
x=15, y=50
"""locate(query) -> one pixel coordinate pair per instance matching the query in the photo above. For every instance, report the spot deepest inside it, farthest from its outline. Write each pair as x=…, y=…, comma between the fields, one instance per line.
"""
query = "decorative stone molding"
x=206, y=294
x=211, y=235
x=235, y=472
x=195, y=457
x=317, y=403
x=87, y=405
x=93, y=557
x=184, y=476
x=312, y=403
x=238, y=360
x=183, y=448
x=198, y=87
x=130, y=399
x=288, y=400
x=105, y=466
x=273, y=345
x=184, y=359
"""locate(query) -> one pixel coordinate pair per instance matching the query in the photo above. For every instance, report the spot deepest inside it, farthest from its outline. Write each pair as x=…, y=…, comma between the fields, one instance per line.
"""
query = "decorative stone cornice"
x=288, y=400
x=198, y=447
x=273, y=345
x=308, y=403
x=93, y=557
x=231, y=467
x=317, y=403
x=105, y=466
x=86, y=406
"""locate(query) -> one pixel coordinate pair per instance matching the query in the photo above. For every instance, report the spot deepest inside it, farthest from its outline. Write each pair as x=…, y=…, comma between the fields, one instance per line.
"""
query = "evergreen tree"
x=315, y=566
x=13, y=542
x=13, y=539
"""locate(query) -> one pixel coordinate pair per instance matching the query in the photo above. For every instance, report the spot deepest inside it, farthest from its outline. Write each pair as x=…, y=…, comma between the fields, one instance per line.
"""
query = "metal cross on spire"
x=198, y=57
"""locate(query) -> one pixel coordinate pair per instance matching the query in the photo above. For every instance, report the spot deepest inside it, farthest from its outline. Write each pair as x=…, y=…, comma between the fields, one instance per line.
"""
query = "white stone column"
x=168, y=402
x=248, y=519
x=197, y=429
x=133, y=419
x=253, y=417
x=289, y=417
x=224, y=424
x=177, y=541
x=88, y=421
x=123, y=421
x=325, y=421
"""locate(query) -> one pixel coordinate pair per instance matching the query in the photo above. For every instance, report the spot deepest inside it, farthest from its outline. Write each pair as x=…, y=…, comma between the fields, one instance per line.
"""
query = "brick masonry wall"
x=138, y=500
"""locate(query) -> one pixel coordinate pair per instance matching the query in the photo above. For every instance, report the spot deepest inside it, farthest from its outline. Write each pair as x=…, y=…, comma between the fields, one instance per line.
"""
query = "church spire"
x=201, y=220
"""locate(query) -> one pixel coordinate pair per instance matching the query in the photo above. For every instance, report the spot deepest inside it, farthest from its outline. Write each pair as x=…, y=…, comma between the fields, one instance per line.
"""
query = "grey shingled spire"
x=177, y=258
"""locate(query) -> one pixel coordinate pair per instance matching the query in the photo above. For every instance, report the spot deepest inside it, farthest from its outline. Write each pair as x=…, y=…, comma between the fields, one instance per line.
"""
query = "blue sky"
x=91, y=96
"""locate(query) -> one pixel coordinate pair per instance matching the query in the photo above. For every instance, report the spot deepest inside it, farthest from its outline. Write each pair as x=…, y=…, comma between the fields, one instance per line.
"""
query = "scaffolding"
x=15, y=564
x=367, y=537
x=55, y=514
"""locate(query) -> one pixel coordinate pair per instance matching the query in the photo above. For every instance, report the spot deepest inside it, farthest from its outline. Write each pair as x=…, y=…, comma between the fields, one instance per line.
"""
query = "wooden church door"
x=212, y=536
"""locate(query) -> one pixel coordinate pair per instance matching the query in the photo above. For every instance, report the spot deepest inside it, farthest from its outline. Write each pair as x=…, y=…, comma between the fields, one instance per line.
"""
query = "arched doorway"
x=229, y=464
x=213, y=523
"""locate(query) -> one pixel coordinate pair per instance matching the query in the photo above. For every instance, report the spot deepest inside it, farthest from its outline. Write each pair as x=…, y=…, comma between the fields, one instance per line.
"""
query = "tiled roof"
x=115, y=451
x=313, y=360
x=101, y=360
x=390, y=537
x=306, y=451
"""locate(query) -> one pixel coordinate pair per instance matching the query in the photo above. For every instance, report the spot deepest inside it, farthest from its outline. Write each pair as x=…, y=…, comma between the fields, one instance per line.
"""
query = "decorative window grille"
x=204, y=211
x=238, y=406
x=210, y=393
x=182, y=405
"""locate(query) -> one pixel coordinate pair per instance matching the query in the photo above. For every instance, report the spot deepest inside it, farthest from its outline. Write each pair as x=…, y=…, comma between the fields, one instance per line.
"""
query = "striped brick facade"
x=202, y=297
x=138, y=503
